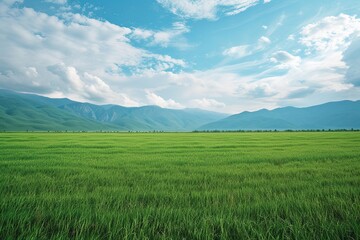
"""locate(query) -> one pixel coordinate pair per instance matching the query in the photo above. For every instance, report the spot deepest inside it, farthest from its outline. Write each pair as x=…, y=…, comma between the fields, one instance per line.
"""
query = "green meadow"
x=282, y=185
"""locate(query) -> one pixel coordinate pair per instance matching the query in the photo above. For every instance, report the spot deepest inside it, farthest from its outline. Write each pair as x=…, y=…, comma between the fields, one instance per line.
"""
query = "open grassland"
x=180, y=185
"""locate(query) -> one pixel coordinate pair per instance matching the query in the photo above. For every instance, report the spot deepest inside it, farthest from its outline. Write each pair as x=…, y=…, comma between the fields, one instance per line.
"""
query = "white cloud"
x=293, y=80
x=139, y=33
x=159, y=101
x=285, y=59
x=329, y=73
x=56, y=1
x=164, y=38
x=69, y=76
x=93, y=54
x=322, y=74
x=85, y=86
x=206, y=9
x=331, y=33
x=246, y=50
x=339, y=37
x=206, y=103
x=183, y=86
x=267, y=1
x=264, y=40
x=238, y=51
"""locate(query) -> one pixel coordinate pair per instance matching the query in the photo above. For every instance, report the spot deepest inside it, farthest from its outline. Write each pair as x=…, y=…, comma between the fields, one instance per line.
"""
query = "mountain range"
x=21, y=112
x=332, y=115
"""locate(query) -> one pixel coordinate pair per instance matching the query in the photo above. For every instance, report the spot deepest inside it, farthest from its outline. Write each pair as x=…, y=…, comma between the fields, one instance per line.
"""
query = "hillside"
x=333, y=115
x=19, y=112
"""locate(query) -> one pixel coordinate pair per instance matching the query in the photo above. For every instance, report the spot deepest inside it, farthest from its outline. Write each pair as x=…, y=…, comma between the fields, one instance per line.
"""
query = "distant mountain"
x=19, y=112
x=333, y=115
x=145, y=118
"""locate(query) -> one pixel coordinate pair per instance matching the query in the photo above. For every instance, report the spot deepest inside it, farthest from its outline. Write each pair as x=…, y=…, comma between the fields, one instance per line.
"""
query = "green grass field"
x=180, y=185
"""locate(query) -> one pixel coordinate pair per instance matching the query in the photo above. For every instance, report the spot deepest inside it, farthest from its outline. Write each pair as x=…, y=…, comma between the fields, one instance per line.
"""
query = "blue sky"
x=220, y=55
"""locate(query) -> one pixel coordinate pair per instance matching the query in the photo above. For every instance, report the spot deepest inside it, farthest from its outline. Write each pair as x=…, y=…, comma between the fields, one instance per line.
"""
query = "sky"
x=220, y=55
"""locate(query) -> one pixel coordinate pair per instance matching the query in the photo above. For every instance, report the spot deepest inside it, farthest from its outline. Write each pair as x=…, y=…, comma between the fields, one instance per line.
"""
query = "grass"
x=180, y=185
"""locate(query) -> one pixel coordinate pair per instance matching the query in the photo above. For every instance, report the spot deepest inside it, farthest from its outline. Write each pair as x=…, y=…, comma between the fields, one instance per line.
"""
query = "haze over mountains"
x=21, y=112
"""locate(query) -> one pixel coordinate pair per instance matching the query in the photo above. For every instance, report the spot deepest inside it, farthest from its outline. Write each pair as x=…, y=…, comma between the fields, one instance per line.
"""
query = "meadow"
x=280, y=185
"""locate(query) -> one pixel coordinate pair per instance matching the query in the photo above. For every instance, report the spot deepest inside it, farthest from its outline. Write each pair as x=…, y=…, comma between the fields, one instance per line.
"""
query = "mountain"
x=144, y=118
x=19, y=112
x=333, y=115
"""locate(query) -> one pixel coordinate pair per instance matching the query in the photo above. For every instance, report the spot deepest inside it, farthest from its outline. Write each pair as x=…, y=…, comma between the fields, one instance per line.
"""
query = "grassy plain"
x=180, y=185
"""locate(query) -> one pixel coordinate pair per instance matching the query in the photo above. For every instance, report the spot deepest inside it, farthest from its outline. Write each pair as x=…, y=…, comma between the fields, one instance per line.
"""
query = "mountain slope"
x=144, y=118
x=19, y=112
x=333, y=115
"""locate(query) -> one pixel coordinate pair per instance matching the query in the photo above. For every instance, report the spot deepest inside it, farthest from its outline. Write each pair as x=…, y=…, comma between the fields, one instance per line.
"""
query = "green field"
x=180, y=185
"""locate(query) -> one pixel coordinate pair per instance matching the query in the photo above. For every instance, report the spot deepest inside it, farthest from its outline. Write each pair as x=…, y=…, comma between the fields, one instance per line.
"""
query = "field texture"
x=180, y=185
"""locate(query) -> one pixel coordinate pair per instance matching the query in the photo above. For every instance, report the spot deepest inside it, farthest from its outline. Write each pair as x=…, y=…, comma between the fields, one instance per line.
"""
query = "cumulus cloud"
x=336, y=36
x=80, y=51
x=159, y=101
x=206, y=9
x=330, y=33
x=207, y=103
x=285, y=59
x=68, y=75
x=86, y=86
x=329, y=69
x=328, y=72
